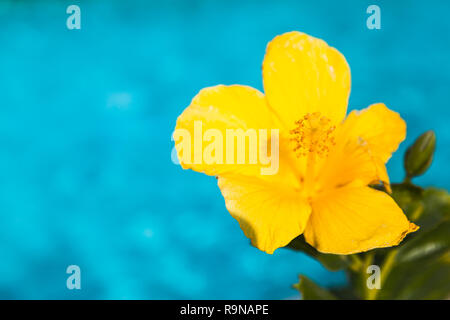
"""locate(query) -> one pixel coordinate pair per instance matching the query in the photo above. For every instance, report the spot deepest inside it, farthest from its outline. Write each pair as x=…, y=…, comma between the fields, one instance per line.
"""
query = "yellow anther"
x=313, y=134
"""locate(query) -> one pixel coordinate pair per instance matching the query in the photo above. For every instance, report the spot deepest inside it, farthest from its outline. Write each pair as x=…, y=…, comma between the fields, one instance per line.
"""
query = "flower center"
x=313, y=135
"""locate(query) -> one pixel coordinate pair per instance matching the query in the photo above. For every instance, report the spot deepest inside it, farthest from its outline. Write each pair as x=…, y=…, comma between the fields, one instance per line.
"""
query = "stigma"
x=313, y=134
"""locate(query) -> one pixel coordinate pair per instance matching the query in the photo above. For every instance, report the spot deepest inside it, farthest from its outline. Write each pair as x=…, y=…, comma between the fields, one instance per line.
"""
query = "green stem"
x=355, y=263
x=385, y=270
x=367, y=262
x=415, y=215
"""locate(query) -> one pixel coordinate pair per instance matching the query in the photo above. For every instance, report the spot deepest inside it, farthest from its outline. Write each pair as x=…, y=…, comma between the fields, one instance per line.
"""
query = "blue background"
x=86, y=116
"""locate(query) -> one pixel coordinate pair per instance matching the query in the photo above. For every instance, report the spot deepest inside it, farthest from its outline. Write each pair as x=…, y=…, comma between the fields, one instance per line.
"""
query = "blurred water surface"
x=86, y=116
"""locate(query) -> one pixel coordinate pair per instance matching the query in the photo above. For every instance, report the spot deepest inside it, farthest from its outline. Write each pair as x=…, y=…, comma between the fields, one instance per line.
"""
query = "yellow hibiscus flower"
x=326, y=160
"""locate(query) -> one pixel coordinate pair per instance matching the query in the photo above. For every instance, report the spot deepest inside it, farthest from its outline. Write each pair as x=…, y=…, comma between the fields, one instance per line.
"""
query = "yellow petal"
x=201, y=130
x=381, y=128
x=302, y=74
x=270, y=214
x=364, y=143
x=356, y=219
x=349, y=161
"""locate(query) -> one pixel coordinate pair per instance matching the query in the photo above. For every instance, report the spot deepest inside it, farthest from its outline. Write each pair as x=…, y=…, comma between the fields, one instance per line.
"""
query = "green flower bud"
x=419, y=156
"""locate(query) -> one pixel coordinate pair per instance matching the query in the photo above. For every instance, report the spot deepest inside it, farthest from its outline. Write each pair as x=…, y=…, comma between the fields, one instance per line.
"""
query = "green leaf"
x=410, y=198
x=426, y=245
x=436, y=204
x=311, y=291
x=425, y=207
x=429, y=279
x=332, y=262
x=421, y=267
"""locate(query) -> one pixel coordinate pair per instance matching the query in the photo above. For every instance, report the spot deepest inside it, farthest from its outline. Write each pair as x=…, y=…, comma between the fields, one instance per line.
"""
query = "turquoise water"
x=86, y=116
